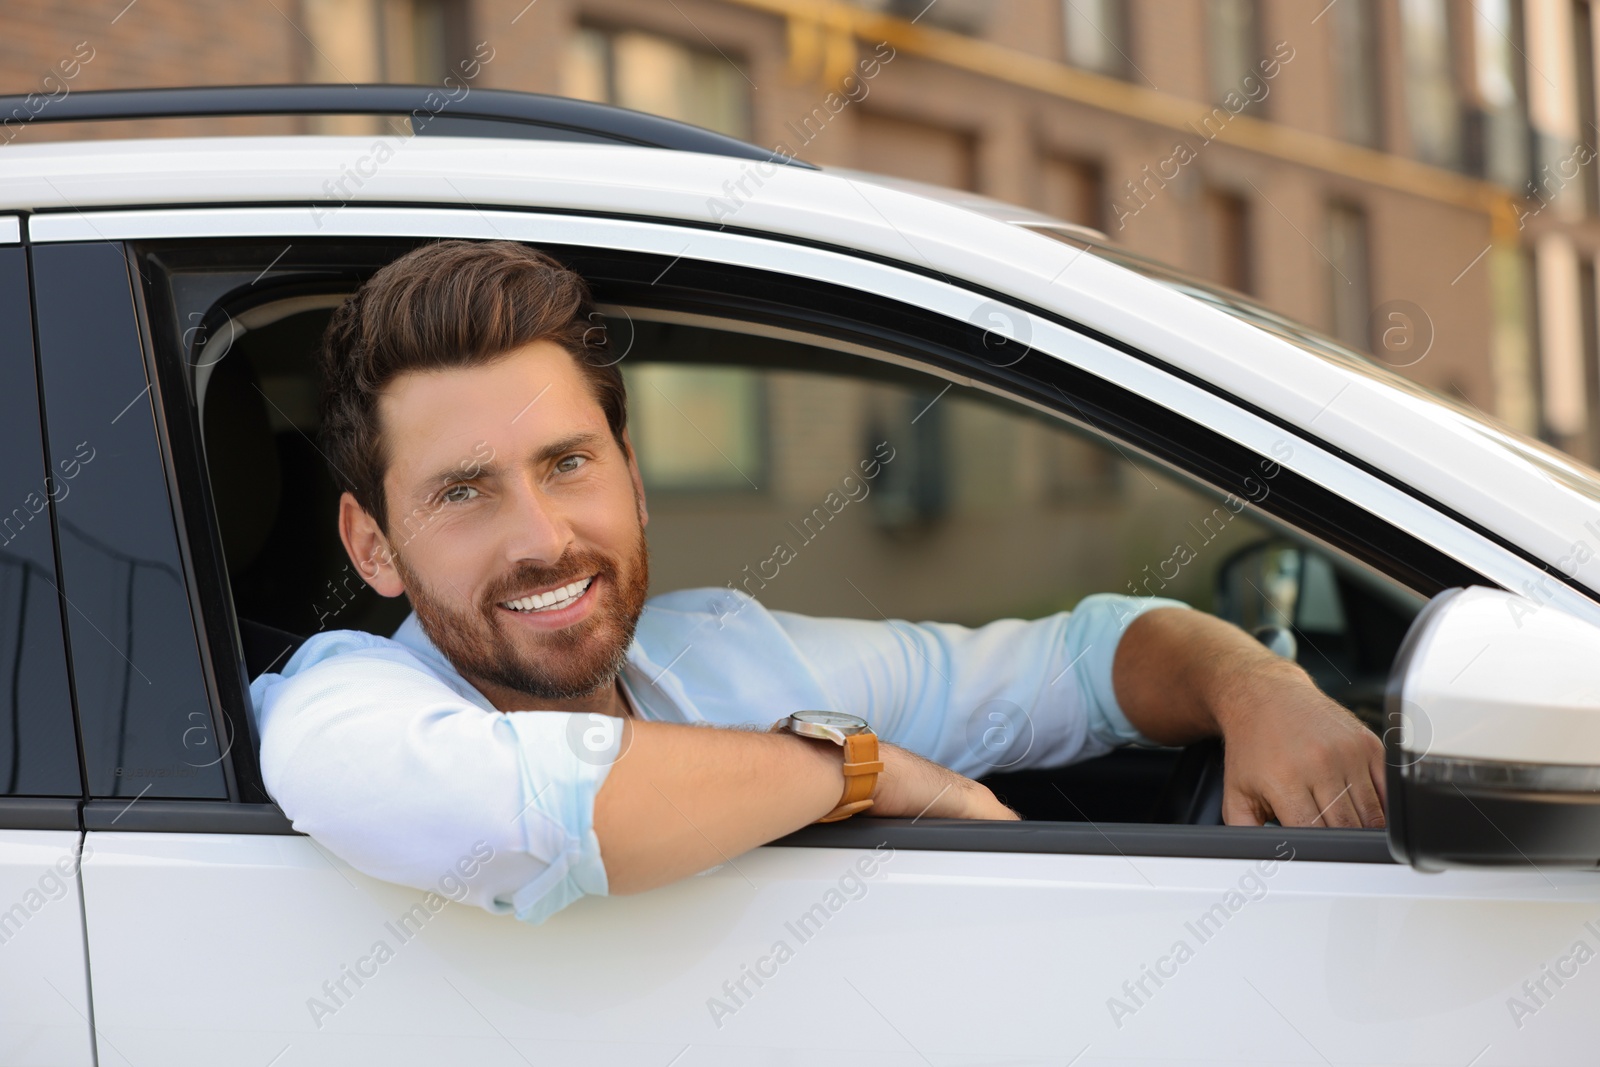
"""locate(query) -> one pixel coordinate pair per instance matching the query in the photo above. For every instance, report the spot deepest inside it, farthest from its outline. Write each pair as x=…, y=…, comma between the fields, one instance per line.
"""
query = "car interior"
x=990, y=507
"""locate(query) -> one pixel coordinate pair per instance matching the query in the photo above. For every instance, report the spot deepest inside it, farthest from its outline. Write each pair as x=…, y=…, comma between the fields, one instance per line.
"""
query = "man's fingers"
x=1368, y=787
x=1294, y=806
x=1239, y=808
x=1380, y=776
x=1336, y=809
x=1334, y=780
x=1368, y=805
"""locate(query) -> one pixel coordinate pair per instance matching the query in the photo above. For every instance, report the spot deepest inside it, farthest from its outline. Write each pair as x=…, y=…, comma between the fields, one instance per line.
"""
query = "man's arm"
x=684, y=798
x=1292, y=753
x=375, y=756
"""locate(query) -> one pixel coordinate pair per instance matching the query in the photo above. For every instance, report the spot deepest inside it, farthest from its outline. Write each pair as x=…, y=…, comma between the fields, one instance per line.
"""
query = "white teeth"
x=554, y=600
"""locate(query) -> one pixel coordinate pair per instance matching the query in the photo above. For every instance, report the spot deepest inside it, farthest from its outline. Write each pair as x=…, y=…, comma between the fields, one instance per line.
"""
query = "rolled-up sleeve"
x=1008, y=695
x=1096, y=627
x=392, y=770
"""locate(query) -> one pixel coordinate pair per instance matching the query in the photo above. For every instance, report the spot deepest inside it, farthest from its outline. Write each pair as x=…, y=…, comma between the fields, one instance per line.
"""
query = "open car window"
x=754, y=434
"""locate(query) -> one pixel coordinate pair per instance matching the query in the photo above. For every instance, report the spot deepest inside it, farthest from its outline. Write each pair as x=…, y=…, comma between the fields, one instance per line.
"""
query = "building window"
x=1561, y=352
x=409, y=41
x=1591, y=360
x=416, y=42
x=1097, y=36
x=1516, y=336
x=1074, y=191
x=424, y=40
x=1349, y=276
x=1432, y=106
x=697, y=428
x=647, y=72
x=1583, y=43
x=1495, y=31
x=1500, y=144
x=1225, y=244
x=960, y=16
x=1358, y=71
x=1233, y=45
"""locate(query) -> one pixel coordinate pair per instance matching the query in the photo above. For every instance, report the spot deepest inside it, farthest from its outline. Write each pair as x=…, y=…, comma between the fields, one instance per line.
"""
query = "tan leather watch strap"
x=861, y=769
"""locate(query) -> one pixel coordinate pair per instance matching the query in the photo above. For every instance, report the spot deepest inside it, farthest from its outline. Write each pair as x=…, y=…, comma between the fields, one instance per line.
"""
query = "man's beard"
x=569, y=663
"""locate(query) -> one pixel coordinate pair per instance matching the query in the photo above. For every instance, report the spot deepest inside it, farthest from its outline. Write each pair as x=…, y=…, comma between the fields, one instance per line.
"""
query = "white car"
x=168, y=535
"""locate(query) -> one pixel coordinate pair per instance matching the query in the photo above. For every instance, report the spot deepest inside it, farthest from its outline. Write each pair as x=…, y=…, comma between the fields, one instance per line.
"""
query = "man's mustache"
x=551, y=577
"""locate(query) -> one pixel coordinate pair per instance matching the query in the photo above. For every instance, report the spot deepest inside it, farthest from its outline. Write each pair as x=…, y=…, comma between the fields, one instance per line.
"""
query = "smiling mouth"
x=551, y=600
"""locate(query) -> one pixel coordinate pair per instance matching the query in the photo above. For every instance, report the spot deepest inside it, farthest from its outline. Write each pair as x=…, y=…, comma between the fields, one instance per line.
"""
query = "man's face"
x=516, y=523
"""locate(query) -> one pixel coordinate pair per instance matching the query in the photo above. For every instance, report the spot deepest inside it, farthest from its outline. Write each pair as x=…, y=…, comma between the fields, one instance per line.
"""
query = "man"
x=536, y=709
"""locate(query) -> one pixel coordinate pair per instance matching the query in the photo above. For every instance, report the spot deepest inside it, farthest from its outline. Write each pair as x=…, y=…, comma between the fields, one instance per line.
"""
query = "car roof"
x=1507, y=483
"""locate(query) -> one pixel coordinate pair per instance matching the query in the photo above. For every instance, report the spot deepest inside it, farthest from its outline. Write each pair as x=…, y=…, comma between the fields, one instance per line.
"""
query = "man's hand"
x=1292, y=754
x=911, y=787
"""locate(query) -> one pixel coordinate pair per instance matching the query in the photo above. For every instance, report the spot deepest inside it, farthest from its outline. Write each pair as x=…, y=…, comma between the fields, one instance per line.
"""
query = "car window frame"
x=98, y=811
x=711, y=288
x=907, y=281
x=24, y=811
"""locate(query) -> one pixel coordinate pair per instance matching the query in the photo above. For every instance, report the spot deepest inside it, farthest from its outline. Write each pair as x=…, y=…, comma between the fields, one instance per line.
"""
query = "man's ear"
x=638, y=482
x=367, y=548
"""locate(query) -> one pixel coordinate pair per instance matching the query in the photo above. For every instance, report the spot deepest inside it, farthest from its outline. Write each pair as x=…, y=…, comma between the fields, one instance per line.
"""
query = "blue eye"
x=458, y=494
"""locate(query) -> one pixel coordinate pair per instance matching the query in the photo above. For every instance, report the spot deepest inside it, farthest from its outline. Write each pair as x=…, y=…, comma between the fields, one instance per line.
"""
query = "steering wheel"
x=1193, y=793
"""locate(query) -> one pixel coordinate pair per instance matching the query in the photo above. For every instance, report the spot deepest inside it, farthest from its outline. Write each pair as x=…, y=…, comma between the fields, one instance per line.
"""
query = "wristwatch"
x=860, y=744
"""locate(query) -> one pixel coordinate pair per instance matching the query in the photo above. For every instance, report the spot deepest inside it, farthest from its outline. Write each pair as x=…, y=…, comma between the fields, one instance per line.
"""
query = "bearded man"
x=537, y=707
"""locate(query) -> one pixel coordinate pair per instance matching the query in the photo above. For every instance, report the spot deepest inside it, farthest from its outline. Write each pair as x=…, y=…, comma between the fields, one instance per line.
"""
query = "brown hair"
x=445, y=305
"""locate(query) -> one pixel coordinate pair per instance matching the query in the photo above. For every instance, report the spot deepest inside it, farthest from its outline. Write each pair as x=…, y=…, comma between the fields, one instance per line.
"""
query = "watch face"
x=838, y=719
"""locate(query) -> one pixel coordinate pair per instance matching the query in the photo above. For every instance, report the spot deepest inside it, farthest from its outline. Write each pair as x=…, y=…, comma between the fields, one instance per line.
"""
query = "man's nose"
x=536, y=528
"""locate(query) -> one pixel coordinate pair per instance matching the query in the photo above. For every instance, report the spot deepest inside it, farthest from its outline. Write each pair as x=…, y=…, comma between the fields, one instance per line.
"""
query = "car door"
x=215, y=932
x=44, y=984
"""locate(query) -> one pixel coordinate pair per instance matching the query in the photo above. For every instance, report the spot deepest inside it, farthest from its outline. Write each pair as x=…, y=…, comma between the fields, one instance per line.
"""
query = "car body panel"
x=44, y=981
x=943, y=957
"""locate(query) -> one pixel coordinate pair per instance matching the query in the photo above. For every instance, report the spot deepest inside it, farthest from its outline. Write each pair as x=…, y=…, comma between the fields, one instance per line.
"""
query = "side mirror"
x=1493, y=738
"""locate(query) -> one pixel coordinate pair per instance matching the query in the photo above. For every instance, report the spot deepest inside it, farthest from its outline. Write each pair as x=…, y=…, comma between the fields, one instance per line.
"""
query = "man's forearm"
x=1179, y=672
x=684, y=798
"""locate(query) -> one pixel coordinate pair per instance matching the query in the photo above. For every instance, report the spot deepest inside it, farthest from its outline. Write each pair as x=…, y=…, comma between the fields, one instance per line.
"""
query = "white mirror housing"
x=1493, y=738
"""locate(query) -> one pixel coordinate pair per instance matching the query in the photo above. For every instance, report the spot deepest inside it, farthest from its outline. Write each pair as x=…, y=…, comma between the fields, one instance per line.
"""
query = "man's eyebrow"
x=557, y=449
x=460, y=472
x=466, y=471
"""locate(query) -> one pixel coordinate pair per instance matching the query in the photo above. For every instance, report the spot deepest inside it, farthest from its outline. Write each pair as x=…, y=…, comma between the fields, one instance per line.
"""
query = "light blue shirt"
x=380, y=751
